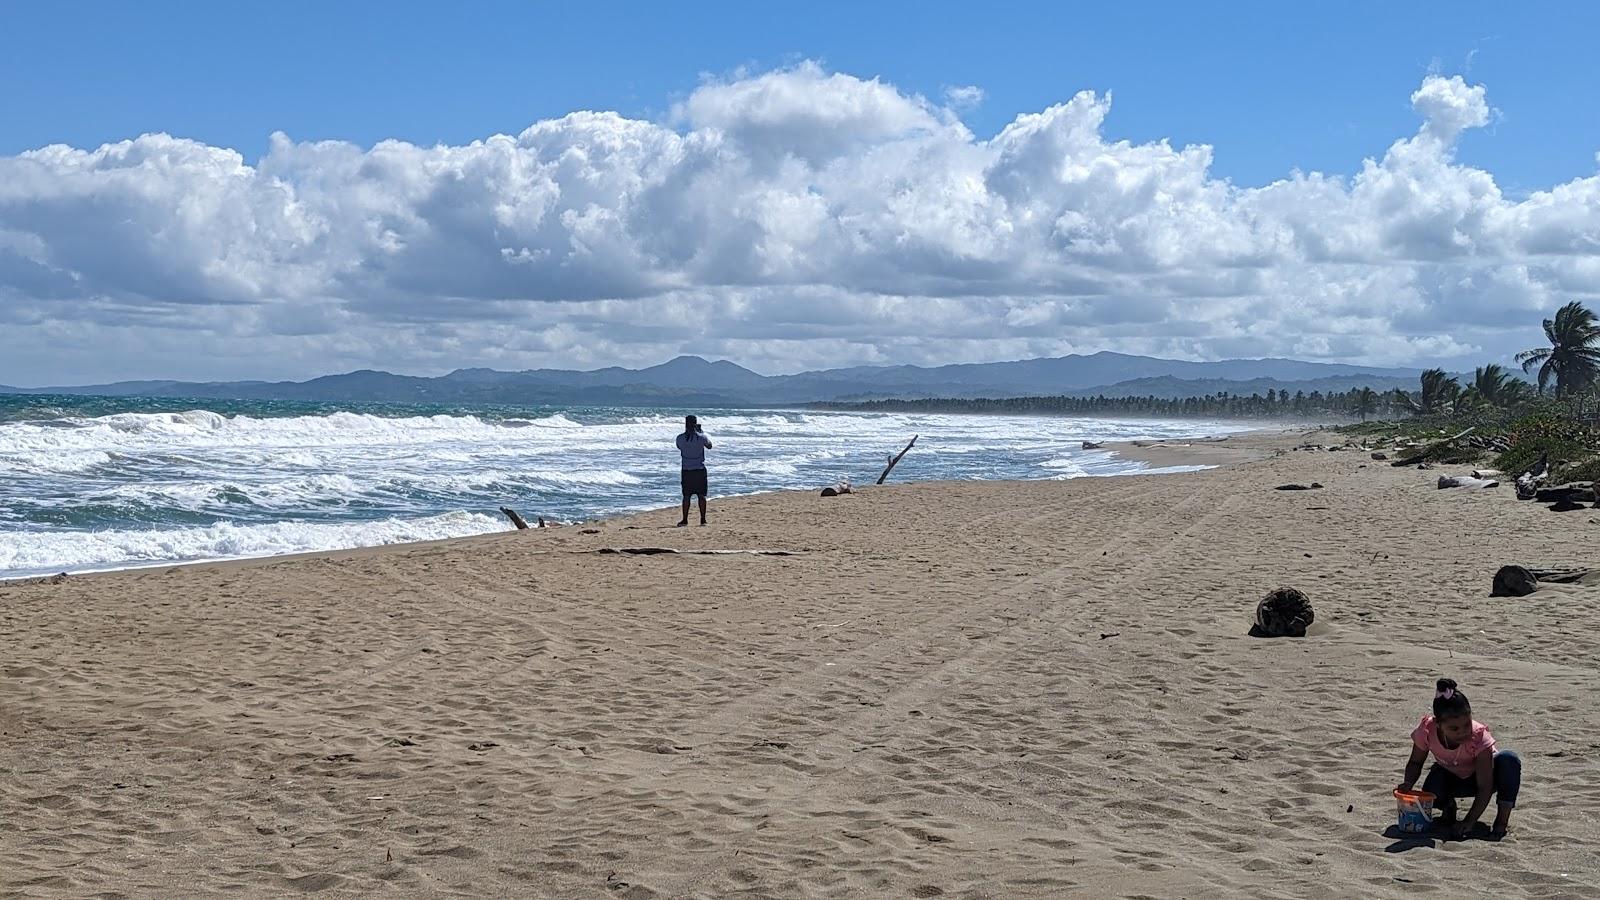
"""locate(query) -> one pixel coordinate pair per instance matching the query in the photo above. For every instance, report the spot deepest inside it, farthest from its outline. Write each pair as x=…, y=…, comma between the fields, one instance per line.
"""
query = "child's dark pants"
x=1447, y=785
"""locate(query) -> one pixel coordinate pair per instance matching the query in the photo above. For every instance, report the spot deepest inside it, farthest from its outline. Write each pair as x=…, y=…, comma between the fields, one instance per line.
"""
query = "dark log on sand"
x=1431, y=449
x=1528, y=482
x=1092, y=445
x=1283, y=613
x=516, y=520
x=1577, y=492
x=895, y=459
x=1520, y=581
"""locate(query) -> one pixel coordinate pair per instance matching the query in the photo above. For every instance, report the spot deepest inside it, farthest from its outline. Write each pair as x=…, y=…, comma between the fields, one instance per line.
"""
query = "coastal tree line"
x=1566, y=374
x=1553, y=421
x=1274, y=404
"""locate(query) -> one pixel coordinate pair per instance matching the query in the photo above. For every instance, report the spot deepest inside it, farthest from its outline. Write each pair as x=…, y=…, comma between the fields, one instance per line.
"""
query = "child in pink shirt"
x=1466, y=764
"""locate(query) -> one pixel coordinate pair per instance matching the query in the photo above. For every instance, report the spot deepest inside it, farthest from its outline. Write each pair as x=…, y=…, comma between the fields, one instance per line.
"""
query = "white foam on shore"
x=90, y=493
x=46, y=553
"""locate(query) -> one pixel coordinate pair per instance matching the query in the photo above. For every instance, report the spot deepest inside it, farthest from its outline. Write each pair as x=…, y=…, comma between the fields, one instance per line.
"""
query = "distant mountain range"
x=692, y=381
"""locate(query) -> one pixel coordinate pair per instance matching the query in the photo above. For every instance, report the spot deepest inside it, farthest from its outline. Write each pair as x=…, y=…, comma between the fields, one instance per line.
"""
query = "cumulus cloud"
x=785, y=219
x=1449, y=106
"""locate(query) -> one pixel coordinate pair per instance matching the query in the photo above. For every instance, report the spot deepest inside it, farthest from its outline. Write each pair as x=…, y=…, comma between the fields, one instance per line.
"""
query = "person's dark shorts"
x=694, y=482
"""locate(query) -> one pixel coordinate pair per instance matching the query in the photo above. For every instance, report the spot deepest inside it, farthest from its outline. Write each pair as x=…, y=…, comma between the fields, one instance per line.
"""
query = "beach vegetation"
x=1550, y=428
x=1507, y=416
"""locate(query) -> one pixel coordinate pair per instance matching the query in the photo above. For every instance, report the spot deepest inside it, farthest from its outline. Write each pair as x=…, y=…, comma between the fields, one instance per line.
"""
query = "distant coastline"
x=690, y=381
x=1314, y=408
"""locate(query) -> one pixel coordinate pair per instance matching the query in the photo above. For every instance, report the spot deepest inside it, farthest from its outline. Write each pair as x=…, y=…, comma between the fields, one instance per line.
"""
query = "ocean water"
x=94, y=483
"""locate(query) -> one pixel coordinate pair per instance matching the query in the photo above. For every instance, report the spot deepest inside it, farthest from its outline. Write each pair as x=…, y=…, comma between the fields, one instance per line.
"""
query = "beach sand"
x=960, y=689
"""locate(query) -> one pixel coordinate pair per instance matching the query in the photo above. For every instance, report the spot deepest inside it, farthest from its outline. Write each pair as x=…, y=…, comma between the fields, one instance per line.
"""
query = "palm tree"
x=1397, y=399
x=1572, y=360
x=1492, y=385
x=1439, y=394
x=1366, y=402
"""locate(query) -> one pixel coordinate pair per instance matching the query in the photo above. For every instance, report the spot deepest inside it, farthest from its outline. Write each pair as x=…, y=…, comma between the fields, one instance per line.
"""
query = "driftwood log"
x=1577, y=491
x=842, y=486
x=1466, y=481
x=893, y=460
x=516, y=520
x=1520, y=581
x=1435, y=447
x=1528, y=482
x=1092, y=445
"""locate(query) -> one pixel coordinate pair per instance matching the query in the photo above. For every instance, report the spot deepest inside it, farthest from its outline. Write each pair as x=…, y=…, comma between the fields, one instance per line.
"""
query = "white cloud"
x=788, y=219
x=1449, y=106
x=807, y=113
x=963, y=97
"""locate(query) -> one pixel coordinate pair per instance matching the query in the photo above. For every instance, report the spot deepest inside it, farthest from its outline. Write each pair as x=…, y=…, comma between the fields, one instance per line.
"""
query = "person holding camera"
x=692, y=446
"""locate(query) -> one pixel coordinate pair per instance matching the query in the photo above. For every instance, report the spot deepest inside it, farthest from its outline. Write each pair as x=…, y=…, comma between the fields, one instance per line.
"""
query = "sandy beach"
x=984, y=689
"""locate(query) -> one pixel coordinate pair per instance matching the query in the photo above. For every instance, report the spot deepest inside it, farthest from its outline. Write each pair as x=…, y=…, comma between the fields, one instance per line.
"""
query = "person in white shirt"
x=692, y=447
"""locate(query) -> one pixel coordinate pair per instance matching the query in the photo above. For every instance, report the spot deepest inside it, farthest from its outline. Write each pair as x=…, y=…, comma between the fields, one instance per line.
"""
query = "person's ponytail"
x=1448, y=701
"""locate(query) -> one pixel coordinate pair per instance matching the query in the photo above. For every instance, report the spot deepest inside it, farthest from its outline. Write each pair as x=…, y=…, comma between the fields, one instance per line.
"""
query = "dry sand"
x=968, y=689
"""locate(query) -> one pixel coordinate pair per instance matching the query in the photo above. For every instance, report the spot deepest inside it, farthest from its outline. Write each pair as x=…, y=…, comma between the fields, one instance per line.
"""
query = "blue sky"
x=788, y=188
x=1274, y=86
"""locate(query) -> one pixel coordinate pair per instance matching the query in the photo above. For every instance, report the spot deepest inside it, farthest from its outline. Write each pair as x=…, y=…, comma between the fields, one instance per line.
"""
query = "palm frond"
x=1530, y=358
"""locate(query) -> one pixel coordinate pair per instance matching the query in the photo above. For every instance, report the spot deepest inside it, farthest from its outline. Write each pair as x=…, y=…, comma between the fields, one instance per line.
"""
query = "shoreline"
x=1225, y=450
x=971, y=688
x=1163, y=454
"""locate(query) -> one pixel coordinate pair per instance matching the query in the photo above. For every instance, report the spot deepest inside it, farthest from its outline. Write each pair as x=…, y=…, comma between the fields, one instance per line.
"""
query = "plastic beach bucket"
x=1415, y=809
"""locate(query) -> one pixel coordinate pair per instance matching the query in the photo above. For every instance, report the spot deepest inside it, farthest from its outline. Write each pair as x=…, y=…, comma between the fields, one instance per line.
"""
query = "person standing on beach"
x=692, y=446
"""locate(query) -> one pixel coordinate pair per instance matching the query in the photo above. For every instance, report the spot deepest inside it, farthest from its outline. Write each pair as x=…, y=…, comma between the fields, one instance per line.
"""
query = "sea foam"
x=143, y=486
